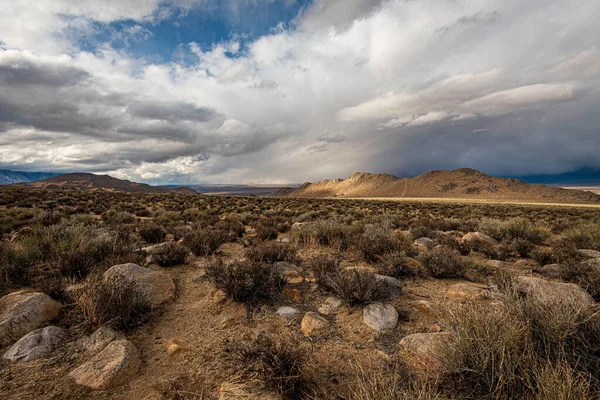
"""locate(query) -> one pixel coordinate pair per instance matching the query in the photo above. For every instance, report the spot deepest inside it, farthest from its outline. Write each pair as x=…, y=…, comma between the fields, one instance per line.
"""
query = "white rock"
x=36, y=344
x=380, y=316
x=288, y=312
x=330, y=306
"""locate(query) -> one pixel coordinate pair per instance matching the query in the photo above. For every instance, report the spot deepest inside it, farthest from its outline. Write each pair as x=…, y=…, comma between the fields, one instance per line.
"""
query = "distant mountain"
x=582, y=177
x=8, y=177
x=86, y=181
x=462, y=183
x=238, y=190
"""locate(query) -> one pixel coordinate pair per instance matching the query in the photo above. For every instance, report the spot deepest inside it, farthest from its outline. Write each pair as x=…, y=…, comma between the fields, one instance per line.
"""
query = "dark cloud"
x=171, y=111
x=336, y=13
x=17, y=71
x=332, y=138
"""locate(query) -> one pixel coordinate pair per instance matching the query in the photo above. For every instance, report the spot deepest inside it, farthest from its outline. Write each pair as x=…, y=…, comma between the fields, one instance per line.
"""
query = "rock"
x=479, y=237
x=156, y=286
x=314, y=324
x=425, y=242
x=113, y=366
x=292, y=277
x=287, y=312
x=424, y=307
x=550, y=271
x=525, y=264
x=424, y=351
x=380, y=316
x=286, y=240
x=298, y=225
x=98, y=340
x=173, y=347
x=292, y=294
x=24, y=311
x=590, y=253
x=470, y=291
x=330, y=306
x=391, y=287
x=529, y=285
x=36, y=344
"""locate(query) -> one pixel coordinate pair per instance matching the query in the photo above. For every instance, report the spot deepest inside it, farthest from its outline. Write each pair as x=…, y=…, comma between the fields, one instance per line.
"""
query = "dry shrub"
x=398, y=265
x=377, y=241
x=206, y=241
x=278, y=363
x=271, y=252
x=114, y=302
x=442, y=262
x=152, y=233
x=355, y=286
x=585, y=236
x=325, y=233
x=504, y=351
x=560, y=381
x=246, y=281
x=169, y=254
x=265, y=231
x=391, y=383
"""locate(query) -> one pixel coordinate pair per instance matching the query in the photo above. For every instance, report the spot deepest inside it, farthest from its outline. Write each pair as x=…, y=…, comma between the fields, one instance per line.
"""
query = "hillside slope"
x=8, y=177
x=86, y=181
x=460, y=183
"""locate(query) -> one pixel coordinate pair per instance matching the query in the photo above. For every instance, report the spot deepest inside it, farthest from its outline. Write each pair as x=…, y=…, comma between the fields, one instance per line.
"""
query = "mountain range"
x=8, y=177
x=86, y=181
x=461, y=183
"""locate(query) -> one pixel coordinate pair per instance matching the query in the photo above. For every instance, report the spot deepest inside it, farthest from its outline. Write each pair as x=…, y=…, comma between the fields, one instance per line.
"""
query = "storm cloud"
x=507, y=87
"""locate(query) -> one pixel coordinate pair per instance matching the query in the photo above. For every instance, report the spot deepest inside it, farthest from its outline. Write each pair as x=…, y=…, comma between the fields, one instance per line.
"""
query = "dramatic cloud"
x=397, y=86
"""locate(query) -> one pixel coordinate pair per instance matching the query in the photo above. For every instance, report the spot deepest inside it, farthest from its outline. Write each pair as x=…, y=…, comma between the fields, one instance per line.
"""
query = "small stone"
x=114, y=366
x=470, y=291
x=331, y=305
x=24, y=311
x=286, y=240
x=425, y=242
x=314, y=324
x=424, y=351
x=287, y=312
x=174, y=347
x=35, y=344
x=380, y=316
x=479, y=237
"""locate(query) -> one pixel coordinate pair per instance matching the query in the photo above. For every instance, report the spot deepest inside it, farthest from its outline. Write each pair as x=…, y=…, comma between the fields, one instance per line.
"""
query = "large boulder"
x=36, y=344
x=390, y=287
x=529, y=285
x=314, y=324
x=590, y=253
x=156, y=286
x=380, y=316
x=24, y=311
x=113, y=366
x=425, y=351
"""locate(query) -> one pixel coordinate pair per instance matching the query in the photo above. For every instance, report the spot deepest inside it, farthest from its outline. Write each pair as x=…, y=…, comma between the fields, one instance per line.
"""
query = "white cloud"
x=369, y=88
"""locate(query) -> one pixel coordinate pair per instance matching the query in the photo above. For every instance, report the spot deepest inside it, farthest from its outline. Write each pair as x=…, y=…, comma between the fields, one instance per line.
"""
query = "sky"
x=287, y=91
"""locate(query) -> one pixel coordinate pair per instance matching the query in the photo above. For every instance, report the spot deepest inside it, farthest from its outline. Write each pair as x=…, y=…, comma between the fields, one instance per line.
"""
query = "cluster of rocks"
x=25, y=315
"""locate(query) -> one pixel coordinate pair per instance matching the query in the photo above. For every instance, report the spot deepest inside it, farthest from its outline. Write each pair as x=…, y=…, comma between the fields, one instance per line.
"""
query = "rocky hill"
x=8, y=177
x=86, y=181
x=461, y=183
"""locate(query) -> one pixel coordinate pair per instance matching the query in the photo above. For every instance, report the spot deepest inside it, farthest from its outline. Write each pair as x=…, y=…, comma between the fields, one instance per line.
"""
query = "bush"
x=514, y=348
x=442, y=263
x=271, y=252
x=398, y=265
x=246, y=281
x=266, y=232
x=278, y=363
x=114, y=217
x=169, y=254
x=114, y=302
x=205, y=242
x=586, y=236
x=152, y=233
x=356, y=287
x=325, y=233
x=377, y=241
